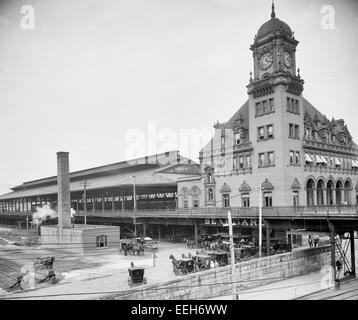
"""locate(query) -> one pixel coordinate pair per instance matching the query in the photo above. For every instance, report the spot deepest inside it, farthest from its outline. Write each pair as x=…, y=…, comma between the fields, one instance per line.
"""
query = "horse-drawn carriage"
x=221, y=257
x=150, y=245
x=136, y=276
x=182, y=266
x=131, y=247
x=202, y=261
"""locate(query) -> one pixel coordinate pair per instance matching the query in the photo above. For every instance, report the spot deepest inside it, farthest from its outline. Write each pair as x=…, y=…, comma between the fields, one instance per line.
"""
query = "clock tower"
x=274, y=49
x=276, y=108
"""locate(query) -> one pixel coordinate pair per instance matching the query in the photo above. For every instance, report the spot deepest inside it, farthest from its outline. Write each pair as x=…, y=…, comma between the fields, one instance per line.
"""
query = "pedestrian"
x=315, y=241
x=212, y=264
x=310, y=241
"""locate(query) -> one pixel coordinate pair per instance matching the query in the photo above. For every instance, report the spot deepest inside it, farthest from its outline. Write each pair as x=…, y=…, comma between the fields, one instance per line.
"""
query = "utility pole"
x=232, y=252
x=85, y=184
x=260, y=222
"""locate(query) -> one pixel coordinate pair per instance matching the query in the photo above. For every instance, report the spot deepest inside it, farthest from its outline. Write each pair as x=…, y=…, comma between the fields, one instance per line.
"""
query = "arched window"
x=195, y=192
x=339, y=192
x=310, y=190
x=101, y=241
x=347, y=192
x=330, y=187
x=320, y=196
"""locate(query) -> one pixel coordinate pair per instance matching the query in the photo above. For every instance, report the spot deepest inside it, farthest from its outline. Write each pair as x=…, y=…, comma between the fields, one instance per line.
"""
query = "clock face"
x=287, y=60
x=266, y=61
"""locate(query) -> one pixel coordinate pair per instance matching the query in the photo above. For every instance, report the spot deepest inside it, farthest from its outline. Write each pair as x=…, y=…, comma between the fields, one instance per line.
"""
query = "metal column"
x=353, y=257
x=196, y=233
x=333, y=249
x=268, y=231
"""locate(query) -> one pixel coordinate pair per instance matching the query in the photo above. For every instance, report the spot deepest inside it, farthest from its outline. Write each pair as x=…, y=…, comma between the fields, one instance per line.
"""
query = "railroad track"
x=9, y=270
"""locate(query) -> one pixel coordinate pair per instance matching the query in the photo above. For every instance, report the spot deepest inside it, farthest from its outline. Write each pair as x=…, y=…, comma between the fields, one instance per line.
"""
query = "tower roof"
x=274, y=25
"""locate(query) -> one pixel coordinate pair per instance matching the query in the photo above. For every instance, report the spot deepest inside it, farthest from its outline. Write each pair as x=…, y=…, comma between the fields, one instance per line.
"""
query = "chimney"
x=63, y=186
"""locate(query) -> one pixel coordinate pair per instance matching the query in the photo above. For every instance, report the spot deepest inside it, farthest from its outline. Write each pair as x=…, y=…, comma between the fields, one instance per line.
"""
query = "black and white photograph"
x=178, y=150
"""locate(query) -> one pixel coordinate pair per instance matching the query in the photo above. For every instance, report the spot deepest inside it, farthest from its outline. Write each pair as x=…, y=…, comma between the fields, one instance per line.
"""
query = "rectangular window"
x=290, y=130
x=185, y=204
x=236, y=163
x=292, y=155
x=241, y=162
x=195, y=203
x=264, y=107
x=269, y=131
x=267, y=199
x=258, y=109
x=271, y=106
x=297, y=107
x=245, y=199
x=297, y=131
x=226, y=201
x=271, y=159
x=237, y=138
x=261, y=159
x=288, y=105
x=261, y=133
x=248, y=161
x=297, y=157
x=295, y=198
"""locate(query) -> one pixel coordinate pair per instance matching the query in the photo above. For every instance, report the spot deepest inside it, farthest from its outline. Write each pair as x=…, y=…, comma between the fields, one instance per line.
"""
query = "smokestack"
x=63, y=186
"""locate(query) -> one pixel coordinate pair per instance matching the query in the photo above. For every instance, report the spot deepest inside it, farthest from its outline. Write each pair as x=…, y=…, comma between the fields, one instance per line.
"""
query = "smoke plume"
x=42, y=213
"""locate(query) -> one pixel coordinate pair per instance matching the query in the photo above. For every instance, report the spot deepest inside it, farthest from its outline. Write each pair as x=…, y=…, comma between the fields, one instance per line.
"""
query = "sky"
x=108, y=80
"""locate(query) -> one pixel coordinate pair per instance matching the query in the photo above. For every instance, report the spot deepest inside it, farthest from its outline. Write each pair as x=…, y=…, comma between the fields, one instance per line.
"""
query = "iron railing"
x=342, y=211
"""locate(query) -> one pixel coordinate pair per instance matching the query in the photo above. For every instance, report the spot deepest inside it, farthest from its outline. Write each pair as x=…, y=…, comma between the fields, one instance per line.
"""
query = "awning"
x=319, y=159
x=308, y=158
x=324, y=160
x=355, y=163
x=337, y=162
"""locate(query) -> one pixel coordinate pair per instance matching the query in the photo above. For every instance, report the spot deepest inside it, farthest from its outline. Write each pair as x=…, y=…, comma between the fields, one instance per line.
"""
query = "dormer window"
x=210, y=194
x=237, y=138
x=210, y=178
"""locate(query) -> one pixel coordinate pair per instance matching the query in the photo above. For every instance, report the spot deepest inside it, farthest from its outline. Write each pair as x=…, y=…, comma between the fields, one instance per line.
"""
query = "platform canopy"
x=154, y=171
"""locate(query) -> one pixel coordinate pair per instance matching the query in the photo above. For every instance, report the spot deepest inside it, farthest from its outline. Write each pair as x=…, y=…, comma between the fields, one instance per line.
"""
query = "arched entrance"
x=310, y=192
x=320, y=190
x=330, y=187
x=339, y=192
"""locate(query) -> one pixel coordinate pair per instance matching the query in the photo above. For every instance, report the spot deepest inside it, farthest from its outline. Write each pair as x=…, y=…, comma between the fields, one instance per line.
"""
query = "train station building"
x=277, y=153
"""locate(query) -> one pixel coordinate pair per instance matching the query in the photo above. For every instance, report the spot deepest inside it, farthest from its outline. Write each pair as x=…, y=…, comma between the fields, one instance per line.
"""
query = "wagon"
x=221, y=257
x=136, y=276
x=202, y=261
x=182, y=266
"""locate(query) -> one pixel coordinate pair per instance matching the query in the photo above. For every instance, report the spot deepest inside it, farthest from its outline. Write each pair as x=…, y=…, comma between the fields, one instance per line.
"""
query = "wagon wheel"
x=184, y=271
x=176, y=271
